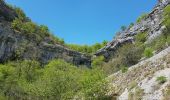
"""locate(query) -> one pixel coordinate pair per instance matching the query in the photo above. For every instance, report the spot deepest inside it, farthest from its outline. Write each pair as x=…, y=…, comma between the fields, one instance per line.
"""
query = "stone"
x=15, y=45
x=150, y=24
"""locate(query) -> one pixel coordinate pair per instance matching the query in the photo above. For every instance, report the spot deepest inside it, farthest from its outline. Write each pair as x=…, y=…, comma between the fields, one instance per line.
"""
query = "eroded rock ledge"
x=16, y=45
x=152, y=23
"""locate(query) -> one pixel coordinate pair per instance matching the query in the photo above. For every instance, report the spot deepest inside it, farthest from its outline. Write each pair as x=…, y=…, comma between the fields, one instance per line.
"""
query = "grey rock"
x=15, y=45
x=151, y=23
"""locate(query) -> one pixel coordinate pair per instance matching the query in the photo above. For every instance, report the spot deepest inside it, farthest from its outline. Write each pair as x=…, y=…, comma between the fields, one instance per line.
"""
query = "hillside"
x=23, y=43
x=140, y=81
x=35, y=65
x=151, y=24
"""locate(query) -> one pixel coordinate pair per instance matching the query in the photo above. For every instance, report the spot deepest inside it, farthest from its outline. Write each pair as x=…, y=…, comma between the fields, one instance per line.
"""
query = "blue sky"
x=84, y=21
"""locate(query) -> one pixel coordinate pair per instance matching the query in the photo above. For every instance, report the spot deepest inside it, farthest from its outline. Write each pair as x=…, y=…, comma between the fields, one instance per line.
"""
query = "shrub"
x=17, y=24
x=124, y=69
x=141, y=37
x=58, y=80
x=141, y=17
x=98, y=61
x=24, y=27
x=43, y=30
x=86, y=48
x=20, y=13
x=131, y=25
x=123, y=28
x=166, y=14
x=148, y=52
x=129, y=54
x=126, y=56
x=163, y=40
x=161, y=79
x=160, y=43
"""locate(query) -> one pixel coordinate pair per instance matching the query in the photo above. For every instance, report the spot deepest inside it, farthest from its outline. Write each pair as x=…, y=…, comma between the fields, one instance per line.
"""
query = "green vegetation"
x=87, y=49
x=129, y=54
x=136, y=95
x=20, y=13
x=148, y=52
x=98, y=61
x=63, y=81
x=124, y=69
x=141, y=17
x=141, y=37
x=40, y=32
x=166, y=21
x=166, y=93
x=131, y=25
x=126, y=56
x=162, y=41
x=132, y=85
x=57, y=80
x=161, y=79
x=123, y=28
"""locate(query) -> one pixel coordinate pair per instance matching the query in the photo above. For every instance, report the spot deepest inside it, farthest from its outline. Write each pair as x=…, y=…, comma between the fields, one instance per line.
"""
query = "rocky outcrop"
x=152, y=23
x=111, y=47
x=143, y=76
x=16, y=45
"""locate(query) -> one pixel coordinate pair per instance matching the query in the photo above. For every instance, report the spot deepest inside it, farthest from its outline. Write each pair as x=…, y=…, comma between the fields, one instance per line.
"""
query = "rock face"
x=141, y=79
x=14, y=45
x=151, y=23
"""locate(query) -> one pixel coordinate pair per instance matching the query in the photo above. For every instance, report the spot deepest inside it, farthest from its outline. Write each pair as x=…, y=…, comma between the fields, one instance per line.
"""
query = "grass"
x=132, y=85
x=136, y=95
x=161, y=79
x=166, y=93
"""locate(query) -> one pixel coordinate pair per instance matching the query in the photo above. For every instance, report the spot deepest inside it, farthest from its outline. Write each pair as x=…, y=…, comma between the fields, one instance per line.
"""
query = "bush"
x=141, y=17
x=131, y=25
x=159, y=43
x=123, y=28
x=124, y=69
x=166, y=14
x=126, y=56
x=87, y=49
x=20, y=13
x=129, y=54
x=57, y=80
x=148, y=52
x=161, y=79
x=24, y=27
x=98, y=61
x=141, y=37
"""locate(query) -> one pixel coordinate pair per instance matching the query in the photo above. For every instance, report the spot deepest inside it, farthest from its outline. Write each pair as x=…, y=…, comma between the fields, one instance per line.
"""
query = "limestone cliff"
x=14, y=45
x=152, y=23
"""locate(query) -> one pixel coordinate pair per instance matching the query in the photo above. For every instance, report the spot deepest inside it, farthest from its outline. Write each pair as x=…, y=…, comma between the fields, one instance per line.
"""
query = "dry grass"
x=136, y=94
x=166, y=93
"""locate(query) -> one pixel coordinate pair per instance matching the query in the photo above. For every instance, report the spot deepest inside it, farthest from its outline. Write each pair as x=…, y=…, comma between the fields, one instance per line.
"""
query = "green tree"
x=123, y=28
